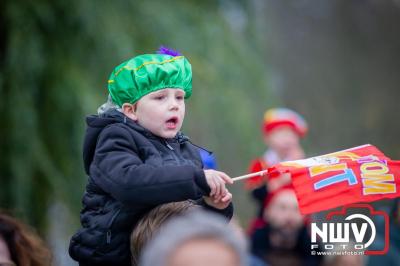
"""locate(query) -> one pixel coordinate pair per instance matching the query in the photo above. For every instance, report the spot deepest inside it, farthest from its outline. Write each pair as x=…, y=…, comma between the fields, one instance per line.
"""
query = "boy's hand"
x=222, y=203
x=216, y=180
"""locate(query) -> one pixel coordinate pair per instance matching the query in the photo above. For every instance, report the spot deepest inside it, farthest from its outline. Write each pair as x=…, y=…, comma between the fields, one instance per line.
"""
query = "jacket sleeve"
x=118, y=170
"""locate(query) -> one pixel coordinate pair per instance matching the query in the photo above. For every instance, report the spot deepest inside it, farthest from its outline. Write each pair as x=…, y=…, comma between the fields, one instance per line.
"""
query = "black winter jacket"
x=130, y=172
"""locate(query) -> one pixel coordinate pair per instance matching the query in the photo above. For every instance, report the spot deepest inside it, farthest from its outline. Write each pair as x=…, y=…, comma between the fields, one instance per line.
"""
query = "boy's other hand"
x=216, y=180
x=220, y=204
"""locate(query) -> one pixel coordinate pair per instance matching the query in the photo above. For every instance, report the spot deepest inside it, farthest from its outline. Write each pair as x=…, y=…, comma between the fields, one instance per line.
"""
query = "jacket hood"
x=95, y=124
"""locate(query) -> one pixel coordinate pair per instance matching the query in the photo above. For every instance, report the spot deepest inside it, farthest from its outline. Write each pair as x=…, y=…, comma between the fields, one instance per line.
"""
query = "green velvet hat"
x=146, y=73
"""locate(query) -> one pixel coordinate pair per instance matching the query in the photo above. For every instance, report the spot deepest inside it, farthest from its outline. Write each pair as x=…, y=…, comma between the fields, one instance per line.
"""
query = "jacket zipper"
x=109, y=233
x=168, y=145
x=173, y=151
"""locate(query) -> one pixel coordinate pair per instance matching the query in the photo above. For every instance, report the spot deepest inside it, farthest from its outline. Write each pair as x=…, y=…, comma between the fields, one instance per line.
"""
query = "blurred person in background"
x=283, y=238
x=392, y=258
x=197, y=238
x=20, y=245
x=282, y=130
x=344, y=260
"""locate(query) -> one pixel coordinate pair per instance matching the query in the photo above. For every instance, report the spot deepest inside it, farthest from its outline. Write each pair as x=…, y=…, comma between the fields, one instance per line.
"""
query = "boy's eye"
x=179, y=97
x=159, y=97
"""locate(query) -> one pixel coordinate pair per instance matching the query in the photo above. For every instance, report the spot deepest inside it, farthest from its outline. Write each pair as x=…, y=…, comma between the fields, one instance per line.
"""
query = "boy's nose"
x=174, y=105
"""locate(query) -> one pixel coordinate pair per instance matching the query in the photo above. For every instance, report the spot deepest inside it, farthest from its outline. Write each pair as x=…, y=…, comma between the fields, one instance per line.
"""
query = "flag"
x=360, y=174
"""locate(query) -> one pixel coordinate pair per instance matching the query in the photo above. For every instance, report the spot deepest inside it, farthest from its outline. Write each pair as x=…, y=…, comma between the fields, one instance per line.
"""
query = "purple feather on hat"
x=168, y=51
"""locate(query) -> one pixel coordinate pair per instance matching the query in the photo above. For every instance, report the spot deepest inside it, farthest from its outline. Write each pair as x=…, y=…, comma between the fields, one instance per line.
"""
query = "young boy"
x=283, y=238
x=136, y=158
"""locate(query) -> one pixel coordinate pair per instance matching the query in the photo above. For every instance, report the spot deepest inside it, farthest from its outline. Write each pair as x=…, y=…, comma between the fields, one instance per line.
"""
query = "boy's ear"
x=130, y=111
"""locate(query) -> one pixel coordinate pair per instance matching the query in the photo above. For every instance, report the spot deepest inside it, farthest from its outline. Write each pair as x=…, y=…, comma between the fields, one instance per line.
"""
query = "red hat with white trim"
x=276, y=117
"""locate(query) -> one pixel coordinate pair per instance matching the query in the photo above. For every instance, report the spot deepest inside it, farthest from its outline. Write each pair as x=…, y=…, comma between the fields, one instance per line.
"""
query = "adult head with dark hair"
x=20, y=245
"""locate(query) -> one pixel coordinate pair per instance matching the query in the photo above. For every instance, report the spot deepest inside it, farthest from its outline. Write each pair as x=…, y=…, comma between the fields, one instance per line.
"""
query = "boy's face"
x=161, y=112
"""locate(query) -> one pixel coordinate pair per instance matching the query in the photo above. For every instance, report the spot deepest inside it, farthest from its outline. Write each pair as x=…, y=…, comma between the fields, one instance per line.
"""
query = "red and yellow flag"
x=360, y=174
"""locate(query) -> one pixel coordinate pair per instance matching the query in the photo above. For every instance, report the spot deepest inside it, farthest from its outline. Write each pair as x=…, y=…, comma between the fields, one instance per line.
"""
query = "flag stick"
x=249, y=175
